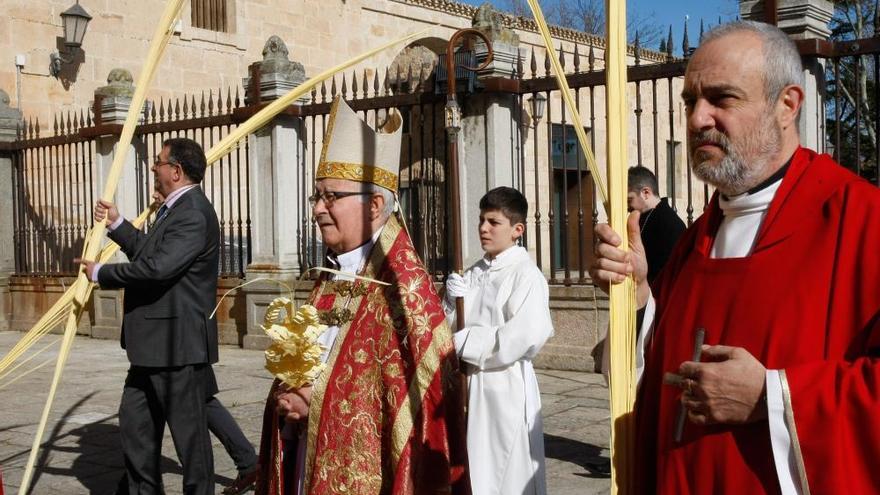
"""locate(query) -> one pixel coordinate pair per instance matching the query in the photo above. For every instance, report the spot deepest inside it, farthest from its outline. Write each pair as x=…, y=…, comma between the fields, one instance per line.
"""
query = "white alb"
x=507, y=321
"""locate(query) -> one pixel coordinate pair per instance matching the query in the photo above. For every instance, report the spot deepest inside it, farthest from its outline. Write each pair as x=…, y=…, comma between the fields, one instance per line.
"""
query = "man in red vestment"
x=385, y=416
x=782, y=271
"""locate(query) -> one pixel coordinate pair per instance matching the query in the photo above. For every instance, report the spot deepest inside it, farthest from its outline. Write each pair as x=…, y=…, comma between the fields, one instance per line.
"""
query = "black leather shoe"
x=242, y=483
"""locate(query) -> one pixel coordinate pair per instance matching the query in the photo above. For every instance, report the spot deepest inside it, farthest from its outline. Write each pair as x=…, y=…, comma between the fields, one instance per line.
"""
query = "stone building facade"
x=319, y=34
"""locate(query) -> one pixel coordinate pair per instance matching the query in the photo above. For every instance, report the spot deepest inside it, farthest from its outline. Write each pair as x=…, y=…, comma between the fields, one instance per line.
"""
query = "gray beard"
x=731, y=176
x=736, y=173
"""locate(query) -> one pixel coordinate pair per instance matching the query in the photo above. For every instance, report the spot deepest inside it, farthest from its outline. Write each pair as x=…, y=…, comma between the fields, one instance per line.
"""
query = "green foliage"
x=853, y=91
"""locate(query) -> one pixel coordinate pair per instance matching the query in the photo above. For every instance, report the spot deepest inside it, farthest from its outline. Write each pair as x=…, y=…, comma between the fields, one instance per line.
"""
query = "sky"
x=668, y=12
x=673, y=12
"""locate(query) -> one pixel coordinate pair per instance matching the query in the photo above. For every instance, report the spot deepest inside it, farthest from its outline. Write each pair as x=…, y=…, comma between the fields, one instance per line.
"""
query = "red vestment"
x=805, y=301
x=386, y=415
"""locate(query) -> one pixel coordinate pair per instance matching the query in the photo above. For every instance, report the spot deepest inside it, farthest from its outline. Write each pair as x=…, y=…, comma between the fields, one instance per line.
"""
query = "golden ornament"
x=294, y=357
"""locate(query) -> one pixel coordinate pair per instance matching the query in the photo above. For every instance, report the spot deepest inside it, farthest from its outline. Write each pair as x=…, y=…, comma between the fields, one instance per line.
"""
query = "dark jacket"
x=661, y=229
x=170, y=285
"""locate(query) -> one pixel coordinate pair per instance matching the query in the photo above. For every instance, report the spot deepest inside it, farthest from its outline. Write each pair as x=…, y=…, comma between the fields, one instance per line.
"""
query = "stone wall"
x=320, y=34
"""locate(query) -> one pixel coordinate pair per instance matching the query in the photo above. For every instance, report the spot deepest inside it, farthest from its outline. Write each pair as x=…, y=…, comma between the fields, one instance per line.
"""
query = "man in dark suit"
x=659, y=224
x=170, y=290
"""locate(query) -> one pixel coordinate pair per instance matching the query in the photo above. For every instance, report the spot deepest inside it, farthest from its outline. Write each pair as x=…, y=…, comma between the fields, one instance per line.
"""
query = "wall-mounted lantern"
x=75, y=20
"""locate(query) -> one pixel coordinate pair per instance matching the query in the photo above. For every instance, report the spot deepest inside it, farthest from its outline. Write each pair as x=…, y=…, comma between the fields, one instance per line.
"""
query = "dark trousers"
x=224, y=427
x=177, y=396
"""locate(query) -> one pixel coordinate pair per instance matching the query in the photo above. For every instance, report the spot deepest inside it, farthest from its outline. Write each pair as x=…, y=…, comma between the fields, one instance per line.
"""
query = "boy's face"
x=497, y=233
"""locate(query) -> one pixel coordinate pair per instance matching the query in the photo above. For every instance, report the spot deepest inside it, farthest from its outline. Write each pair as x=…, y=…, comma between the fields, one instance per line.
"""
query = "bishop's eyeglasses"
x=330, y=197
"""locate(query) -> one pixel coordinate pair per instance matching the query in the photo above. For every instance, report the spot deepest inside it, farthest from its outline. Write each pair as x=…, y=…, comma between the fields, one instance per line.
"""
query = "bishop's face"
x=732, y=128
x=344, y=220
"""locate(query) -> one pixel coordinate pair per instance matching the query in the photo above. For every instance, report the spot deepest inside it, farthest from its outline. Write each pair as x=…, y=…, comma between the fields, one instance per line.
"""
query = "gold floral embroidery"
x=419, y=384
x=357, y=172
x=393, y=370
x=345, y=476
x=336, y=316
x=348, y=289
x=360, y=356
x=358, y=423
x=345, y=407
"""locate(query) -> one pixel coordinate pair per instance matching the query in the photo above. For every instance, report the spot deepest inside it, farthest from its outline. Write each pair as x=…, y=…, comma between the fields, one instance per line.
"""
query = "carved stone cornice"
x=526, y=24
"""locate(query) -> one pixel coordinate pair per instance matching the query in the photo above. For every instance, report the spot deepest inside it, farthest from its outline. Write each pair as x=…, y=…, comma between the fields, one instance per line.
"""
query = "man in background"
x=660, y=225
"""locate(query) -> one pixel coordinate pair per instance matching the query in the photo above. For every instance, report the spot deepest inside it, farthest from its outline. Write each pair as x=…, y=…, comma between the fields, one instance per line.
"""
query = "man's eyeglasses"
x=330, y=197
x=157, y=162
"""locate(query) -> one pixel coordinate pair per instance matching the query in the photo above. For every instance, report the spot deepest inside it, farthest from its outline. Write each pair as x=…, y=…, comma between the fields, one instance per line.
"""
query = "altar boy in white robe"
x=506, y=322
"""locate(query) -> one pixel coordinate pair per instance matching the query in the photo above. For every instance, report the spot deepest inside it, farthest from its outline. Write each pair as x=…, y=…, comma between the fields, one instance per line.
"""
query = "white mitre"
x=354, y=151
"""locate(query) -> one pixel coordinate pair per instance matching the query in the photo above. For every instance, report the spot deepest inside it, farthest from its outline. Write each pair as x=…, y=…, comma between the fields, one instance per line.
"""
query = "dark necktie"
x=162, y=212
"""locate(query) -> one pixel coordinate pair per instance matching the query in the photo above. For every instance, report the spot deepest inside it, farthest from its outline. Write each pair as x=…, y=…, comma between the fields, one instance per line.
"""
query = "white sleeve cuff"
x=115, y=225
x=644, y=336
x=780, y=438
x=472, y=343
x=645, y=332
x=459, y=338
x=95, y=270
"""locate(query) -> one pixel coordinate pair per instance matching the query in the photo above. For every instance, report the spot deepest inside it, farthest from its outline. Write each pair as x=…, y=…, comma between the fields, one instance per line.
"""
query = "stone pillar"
x=277, y=183
x=10, y=119
x=276, y=74
x=115, y=100
x=803, y=19
x=489, y=126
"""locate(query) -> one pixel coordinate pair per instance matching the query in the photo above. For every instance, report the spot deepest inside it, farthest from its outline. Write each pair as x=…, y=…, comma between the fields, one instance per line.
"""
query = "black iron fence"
x=54, y=180
x=206, y=119
x=848, y=126
x=52, y=195
x=562, y=190
x=54, y=176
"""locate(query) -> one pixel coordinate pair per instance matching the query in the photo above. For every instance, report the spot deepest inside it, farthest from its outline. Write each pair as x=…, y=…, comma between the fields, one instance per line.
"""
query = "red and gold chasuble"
x=807, y=302
x=385, y=415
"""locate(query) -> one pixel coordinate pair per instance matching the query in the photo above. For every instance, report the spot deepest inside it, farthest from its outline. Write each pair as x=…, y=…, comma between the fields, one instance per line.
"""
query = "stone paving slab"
x=81, y=453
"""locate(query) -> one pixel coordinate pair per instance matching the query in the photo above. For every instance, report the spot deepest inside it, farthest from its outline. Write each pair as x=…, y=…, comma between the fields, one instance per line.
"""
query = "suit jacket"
x=661, y=229
x=170, y=285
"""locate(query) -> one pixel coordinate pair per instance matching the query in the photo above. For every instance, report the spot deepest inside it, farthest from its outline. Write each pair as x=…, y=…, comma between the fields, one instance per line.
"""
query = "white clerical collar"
x=743, y=216
x=748, y=204
x=354, y=260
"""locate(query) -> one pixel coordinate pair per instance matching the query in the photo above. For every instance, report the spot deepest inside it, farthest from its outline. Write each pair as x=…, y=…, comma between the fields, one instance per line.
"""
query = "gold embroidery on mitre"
x=357, y=172
x=328, y=135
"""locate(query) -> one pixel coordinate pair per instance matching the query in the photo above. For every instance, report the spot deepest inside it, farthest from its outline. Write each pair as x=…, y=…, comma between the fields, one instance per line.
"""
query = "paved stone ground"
x=81, y=452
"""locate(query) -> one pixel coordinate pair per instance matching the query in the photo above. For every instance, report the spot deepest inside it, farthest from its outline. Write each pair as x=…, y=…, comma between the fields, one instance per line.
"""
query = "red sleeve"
x=834, y=404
